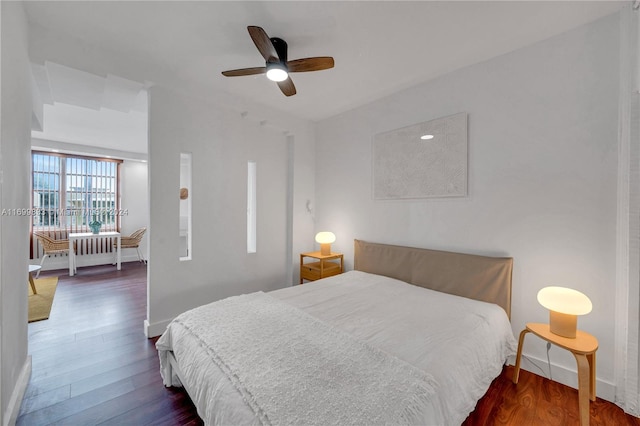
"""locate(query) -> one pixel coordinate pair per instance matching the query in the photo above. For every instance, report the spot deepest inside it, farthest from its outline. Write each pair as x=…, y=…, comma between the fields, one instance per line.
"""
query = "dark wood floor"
x=93, y=365
x=539, y=401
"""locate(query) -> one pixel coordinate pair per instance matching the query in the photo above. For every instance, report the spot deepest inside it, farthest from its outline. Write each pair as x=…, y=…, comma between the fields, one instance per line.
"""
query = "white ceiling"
x=87, y=109
x=379, y=47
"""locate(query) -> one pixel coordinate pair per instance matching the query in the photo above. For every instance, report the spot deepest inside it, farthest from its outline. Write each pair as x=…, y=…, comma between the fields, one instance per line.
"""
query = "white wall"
x=542, y=177
x=219, y=137
x=135, y=200
x=15, y=122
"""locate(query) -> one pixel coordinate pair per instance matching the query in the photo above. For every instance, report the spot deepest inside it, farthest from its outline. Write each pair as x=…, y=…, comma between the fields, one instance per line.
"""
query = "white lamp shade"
x=325, y=237
x=564, y=300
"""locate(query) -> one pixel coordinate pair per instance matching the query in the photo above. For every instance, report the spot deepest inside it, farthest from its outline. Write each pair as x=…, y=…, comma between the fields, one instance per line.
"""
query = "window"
x=69, y=192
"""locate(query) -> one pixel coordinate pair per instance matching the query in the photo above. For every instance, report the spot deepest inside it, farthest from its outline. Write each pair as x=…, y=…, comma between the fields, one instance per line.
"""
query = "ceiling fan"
x=277, y=67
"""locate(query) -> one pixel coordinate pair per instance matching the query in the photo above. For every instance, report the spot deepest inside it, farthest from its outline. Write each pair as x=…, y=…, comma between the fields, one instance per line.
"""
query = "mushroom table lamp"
x=325, y=239
x=564, y=306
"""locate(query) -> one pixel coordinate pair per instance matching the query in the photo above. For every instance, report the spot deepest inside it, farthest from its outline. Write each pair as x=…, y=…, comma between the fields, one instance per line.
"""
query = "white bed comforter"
x=460, y=342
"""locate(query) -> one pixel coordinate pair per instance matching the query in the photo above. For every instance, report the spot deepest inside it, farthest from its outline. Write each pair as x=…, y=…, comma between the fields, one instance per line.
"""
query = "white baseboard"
x=52, y=264
x=566, y=376
x=13, y=409
x=155, y=329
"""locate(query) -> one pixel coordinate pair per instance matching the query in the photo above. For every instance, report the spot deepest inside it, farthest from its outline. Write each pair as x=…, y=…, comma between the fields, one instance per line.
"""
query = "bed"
x=410, y=336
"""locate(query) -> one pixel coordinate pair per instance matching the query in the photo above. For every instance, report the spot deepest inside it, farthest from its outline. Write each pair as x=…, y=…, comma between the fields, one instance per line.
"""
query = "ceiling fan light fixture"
x=277, y=72
x=277, y=67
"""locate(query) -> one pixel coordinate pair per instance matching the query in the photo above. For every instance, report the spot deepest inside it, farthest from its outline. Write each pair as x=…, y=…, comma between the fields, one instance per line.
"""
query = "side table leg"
x=584, y=380
x=592, y=376
x=516, y=372
x=71, y=258
x=118, y=253
x=33, y=284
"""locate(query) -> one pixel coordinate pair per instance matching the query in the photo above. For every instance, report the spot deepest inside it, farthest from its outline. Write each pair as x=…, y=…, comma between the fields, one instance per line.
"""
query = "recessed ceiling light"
x=55, y=150
x=426, y=137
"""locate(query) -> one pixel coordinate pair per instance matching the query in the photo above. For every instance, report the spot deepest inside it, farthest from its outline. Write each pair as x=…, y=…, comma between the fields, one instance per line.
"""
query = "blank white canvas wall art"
x=406, y=166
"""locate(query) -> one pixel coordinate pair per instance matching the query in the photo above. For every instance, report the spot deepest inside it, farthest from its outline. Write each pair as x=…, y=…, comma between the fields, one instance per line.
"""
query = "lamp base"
x=564, y=325
x=325, y=249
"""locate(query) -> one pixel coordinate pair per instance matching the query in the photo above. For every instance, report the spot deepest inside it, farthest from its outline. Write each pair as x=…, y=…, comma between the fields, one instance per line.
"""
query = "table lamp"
x=325, y=239
x=564, y=306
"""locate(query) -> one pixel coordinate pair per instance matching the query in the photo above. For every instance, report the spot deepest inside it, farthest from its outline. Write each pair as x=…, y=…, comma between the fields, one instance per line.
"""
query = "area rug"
x=40, y=304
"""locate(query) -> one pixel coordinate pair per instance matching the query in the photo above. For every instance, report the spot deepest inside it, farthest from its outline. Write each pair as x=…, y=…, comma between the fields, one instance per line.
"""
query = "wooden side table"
x=323, y=268
x=583, y=348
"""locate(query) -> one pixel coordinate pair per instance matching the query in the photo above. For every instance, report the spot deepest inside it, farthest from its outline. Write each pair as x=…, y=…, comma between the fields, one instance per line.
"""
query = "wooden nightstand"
x=583, y=347
x=323, y=268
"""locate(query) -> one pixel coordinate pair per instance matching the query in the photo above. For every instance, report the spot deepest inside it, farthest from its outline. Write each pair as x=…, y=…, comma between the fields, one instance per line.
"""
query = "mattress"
x=461, y=343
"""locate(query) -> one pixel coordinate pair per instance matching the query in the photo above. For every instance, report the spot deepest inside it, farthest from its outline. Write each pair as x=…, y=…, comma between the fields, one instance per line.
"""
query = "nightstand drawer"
x=327, y=265
x=311, y=271
x=308, y=273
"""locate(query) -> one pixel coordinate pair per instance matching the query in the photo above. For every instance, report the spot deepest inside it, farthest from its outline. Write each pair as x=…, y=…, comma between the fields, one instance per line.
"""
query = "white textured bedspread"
x=460, y=343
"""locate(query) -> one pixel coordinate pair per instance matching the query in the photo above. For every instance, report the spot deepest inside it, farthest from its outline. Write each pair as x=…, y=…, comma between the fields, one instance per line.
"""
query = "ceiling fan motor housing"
x=281, y=49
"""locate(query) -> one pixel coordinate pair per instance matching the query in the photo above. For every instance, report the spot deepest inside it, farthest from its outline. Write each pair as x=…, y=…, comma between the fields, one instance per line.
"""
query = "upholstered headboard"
x=477, y=277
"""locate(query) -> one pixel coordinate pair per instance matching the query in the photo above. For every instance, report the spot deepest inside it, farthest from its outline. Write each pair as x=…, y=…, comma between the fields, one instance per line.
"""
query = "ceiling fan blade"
x=287, y=87
x=263, y=43
x=310, y=64
x=244, y=71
